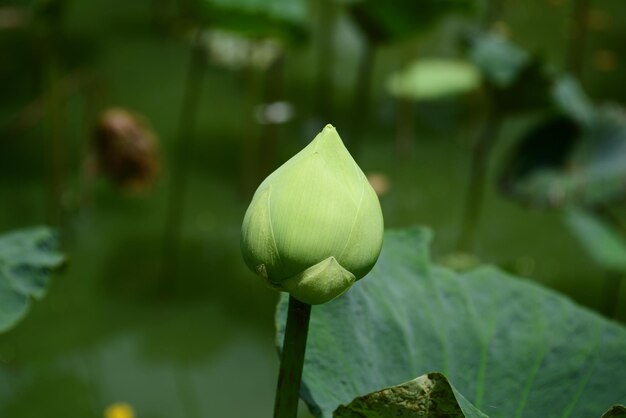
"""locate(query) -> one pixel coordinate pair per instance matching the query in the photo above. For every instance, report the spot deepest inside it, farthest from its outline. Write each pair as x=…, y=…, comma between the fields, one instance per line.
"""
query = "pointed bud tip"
x=329, y=134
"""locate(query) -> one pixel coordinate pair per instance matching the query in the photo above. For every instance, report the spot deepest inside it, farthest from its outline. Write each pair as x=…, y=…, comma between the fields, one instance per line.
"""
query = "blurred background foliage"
x=141, y=129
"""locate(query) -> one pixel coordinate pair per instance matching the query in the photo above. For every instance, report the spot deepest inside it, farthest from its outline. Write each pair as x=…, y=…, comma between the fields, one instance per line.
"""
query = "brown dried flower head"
x=126, y=149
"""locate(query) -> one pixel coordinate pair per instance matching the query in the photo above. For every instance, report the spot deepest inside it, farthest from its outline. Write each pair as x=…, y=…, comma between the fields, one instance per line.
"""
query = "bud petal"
x=257, y=233
x=318, y=284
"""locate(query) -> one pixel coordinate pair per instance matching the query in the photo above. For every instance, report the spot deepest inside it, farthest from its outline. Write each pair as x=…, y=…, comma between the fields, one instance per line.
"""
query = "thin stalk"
x=93, y=97
x=34, y=112
x=405, y=127
x=273, y=91
x=52, y=125
x=578, y=31
x=325, y=60
x=163, y=13
x=185, y=9
x=478, y=177
x=495, y=10
x=362, y=92
x=405, y=121
x=48, y=30
x=292, y=359
x=249, y=160
x=180, y=173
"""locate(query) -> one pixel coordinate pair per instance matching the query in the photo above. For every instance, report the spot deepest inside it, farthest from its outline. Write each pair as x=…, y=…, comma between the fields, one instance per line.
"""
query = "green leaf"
x=500, y=60
x=428, y=395
x=538, y=158
x=434, y=78
x=27, y=257
x=616, y=411
x=572, y=101
x=511, y=347
x=605, y=246
x=391, y=21
x=515, y=79
x=586, y=164
x=285, y=19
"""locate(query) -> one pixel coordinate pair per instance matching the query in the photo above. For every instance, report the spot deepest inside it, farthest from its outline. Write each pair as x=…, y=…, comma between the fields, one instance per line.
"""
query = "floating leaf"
x=512, y=348
x=428, y=395
x=27, y=258
x=606, y=247
x=434, y=78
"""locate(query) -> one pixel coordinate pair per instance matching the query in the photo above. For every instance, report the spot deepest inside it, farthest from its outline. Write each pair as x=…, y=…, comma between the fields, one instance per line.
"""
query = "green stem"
x=94, y=99
x=405, y=128
x=494, y=12
x=273, y=91
x=250, y=148
x=162, y=13
x=578, y=37
x=54, y=139
x=292, y=359
x=478, y=178
x=49, y=31
x=362, y=92
x=185, y=9
x=180, y=172
x=325, y=60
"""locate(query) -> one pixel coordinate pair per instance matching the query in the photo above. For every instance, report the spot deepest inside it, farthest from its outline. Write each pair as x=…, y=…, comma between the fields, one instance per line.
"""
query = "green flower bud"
x=314, y=226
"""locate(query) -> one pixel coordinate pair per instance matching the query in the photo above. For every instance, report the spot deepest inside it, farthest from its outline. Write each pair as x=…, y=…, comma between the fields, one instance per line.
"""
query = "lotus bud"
x=314, y=226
